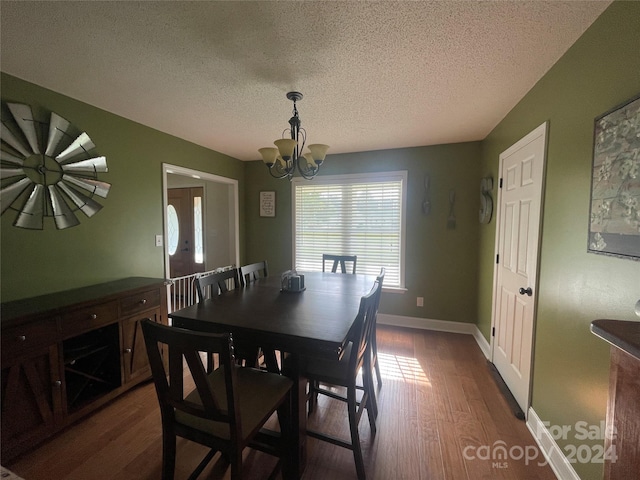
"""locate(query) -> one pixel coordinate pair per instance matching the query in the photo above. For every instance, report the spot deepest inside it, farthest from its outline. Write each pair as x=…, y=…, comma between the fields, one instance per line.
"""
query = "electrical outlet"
x=158, y=240
x=420, y=302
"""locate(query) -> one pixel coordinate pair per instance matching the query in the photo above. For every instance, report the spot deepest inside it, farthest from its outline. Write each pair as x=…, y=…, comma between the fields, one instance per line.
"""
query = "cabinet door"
x=31, y=399
x=134, y=352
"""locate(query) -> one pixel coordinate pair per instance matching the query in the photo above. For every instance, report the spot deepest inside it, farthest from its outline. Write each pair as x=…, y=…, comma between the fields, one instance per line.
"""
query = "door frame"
x=234, y=208
x=542, y=130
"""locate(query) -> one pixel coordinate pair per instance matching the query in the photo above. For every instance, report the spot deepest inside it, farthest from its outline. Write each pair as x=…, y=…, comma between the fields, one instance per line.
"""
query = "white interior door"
x=520, y=200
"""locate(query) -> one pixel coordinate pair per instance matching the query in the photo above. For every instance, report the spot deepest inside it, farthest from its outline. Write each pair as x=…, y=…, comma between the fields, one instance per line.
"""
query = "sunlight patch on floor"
x=406, y=369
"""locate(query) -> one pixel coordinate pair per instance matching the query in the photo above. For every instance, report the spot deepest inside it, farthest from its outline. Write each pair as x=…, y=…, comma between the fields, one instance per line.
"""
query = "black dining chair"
x=373, y=365
x=250, y=273
x=374, y=336
x=209, y=286
x=227, y=409
x=212, y=285
x=326, y=373
x=339, y=260
x=216, y=283
x=263, y=357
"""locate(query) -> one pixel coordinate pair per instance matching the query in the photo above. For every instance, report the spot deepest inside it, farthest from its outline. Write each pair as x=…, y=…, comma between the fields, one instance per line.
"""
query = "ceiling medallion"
x=46, y=171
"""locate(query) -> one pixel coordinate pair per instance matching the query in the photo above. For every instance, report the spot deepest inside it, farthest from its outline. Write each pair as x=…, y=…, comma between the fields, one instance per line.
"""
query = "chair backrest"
x=216, y=283
x=363, y=327
x=250, y=273
x=380, y=280
x=339, y=260
x=185, y=345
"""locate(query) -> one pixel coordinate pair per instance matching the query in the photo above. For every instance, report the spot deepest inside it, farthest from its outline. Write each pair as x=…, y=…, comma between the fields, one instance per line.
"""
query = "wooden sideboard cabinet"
x=67, y=353
x=623, y=408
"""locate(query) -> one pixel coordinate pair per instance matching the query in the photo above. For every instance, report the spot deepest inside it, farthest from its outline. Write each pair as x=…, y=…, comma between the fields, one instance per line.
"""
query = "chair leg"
x=372, y=390
x=370, y=398
x=271, y=360
x=374, y=357
x=355, y=436
x=236, y=464
x=377, y=368
x=168, y=454
x=313, y=395
x=285, y=415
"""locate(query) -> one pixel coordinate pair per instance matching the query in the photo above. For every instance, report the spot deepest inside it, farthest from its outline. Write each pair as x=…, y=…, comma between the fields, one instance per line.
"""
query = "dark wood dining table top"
x=315, y=321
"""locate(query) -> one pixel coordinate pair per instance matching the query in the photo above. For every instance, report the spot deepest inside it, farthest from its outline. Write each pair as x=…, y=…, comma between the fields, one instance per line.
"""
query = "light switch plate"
x=158, y=240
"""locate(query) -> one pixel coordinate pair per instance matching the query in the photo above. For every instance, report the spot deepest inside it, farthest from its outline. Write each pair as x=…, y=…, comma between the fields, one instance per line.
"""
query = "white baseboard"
x=550, y=449
x=485, y=347
x=437, y=325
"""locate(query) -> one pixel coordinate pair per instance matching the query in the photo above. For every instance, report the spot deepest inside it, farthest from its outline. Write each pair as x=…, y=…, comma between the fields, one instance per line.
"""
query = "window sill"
x=400, y=290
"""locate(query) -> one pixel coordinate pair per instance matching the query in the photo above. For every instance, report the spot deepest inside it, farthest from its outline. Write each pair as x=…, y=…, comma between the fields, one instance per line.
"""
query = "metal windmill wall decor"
x=46, y=170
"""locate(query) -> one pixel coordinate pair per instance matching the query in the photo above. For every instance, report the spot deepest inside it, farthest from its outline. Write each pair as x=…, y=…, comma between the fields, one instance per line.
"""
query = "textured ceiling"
x=374, y=75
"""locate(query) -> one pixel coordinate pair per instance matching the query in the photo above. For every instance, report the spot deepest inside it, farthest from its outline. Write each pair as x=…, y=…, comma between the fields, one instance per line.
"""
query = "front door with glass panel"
x=185, y=231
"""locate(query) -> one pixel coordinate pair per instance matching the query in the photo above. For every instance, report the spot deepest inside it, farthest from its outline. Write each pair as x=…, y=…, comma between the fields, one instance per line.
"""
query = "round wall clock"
x=46, y=171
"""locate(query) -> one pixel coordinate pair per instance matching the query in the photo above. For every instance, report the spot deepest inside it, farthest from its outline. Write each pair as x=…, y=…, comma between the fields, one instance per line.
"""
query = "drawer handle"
x=93, y=316
x=22, y=338
x=57, y=383
x=143, y=301
x=127, y=350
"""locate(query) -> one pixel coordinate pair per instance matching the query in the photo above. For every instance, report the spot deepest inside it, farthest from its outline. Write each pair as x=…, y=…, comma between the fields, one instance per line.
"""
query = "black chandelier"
x=283, y=160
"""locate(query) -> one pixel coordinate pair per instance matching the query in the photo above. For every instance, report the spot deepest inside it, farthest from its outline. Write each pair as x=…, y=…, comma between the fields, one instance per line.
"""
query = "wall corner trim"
x=439, y=326
x=550, y=449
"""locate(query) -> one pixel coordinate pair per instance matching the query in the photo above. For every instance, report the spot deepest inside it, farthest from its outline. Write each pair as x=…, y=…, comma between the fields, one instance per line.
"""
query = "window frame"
x=371, y=177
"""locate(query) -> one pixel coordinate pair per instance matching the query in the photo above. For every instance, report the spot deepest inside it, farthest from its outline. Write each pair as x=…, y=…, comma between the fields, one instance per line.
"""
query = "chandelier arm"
x=283, y=175
x=281, y=170
x=300, y=147
x=304, y=173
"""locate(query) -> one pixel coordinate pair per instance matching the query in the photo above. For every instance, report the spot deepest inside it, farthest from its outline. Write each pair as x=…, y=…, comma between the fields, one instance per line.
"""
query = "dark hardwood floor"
x=441, y=415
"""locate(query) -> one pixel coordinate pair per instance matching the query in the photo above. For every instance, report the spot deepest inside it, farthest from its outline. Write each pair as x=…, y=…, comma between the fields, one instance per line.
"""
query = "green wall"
x=451, y=269
x=119, y=240
x=570, y=373
x=441, y=264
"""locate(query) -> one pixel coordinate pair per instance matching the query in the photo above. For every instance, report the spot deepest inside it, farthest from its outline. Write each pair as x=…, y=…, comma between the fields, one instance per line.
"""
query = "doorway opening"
x=201, y=227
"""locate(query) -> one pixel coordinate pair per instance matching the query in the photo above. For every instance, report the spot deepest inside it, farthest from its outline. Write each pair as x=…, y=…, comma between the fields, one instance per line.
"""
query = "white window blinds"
x=359, y=215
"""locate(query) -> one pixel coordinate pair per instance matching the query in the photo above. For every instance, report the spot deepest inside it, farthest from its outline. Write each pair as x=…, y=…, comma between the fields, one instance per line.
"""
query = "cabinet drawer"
x=139, y=302
x=87, y=318
x=21, y=339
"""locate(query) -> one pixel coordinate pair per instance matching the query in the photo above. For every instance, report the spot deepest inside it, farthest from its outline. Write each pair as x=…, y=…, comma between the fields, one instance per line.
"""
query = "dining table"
x=313, y=322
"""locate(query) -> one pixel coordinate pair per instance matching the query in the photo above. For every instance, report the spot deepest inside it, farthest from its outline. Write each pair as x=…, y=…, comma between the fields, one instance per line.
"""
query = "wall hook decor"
x=451, y=220
x=426, y=205
x=486, y=202
x=46, y=170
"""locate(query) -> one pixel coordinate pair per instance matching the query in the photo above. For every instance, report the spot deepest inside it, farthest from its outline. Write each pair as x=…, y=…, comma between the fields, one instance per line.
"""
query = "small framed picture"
x=267, y=204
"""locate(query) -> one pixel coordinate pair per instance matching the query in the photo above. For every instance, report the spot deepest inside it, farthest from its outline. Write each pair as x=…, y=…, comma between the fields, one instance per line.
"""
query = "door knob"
x=526, y=291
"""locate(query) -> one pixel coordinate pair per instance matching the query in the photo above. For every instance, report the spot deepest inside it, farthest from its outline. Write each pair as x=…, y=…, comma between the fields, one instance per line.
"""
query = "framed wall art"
x=614, y=224
x=267, y=204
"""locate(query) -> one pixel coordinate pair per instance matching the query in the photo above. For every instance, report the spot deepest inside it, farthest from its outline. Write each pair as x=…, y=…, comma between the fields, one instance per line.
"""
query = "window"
x=197, y=230
x=359, y=215
x=173, y=229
